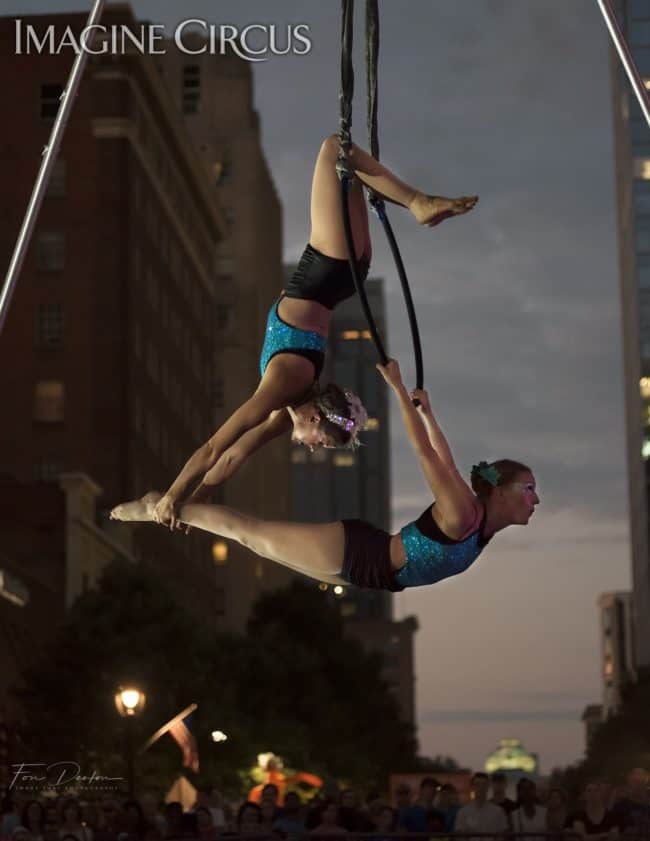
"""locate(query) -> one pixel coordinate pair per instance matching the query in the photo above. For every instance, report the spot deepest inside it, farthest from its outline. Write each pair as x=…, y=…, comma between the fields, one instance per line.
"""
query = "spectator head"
x=69, y=838
x=434, y=820
x=89, y=813
x=249, y=817
x=526, y=791
x=593, y=793
x=203, y=818
x=292, y=803
x=428, y=788
x=557, y=799
x=637, y=781
x=480, y=784
x=50, y=831
x=329, y=813
x=51, y=813
x=385, y=819
x=33, y=816
x=499, y=785
x=109, y=811
x=151, y=832
x=133, y=817
x=268, y=811
x=174, y=817
x=21, y=833
x=447, y=796
x=348, y=798
x=270, y=792
x=403, y=795
x=149, y=803
x=71, y=812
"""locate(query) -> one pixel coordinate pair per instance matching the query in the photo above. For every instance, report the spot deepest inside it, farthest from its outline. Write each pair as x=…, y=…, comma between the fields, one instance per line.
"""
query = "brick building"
x=111, y=330
x=215, y=95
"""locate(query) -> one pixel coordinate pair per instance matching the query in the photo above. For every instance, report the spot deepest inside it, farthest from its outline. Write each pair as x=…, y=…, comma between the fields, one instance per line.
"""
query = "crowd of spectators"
x=602, y=813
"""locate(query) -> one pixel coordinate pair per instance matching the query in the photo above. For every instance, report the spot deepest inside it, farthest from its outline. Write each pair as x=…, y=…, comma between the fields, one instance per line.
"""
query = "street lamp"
x=129, y=702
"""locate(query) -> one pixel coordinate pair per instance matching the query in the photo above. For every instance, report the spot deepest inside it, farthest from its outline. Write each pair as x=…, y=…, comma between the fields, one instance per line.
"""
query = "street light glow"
x=338, y=590
x=219, y=736
x=129, y=701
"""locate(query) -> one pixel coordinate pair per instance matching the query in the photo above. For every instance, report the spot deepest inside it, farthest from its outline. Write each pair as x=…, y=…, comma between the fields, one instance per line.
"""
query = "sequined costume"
x=325, y=280
x=430, y=554
x=281, y=337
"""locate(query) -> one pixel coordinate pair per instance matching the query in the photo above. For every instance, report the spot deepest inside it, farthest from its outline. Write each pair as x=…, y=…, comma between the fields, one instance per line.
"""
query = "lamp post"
x=129, y=702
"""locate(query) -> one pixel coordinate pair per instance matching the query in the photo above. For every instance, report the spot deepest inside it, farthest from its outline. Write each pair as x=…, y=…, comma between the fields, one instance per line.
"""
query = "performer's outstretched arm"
x=270, y=396
x=455, y=499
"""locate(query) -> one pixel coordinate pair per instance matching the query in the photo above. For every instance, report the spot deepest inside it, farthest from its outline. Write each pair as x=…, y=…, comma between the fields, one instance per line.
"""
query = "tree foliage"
x=294, y=685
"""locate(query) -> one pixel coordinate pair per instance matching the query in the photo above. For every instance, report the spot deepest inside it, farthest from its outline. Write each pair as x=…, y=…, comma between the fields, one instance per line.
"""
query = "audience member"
x=448, y=806
x=414, y=817
x=529, y=816
x=499, y=797
x=632, y=811
x=291, y=823
x=480, y=815
x=71, y=822
x=557, y=809
x=329, y=824
x=594, y=819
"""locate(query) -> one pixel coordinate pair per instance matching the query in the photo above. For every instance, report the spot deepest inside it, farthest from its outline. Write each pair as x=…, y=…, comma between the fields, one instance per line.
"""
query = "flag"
x=182, y=734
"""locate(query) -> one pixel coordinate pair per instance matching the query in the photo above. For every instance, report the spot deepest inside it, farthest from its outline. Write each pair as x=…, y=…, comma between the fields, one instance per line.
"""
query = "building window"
x=371, y=424
x=50, y=251
x=318, y=456
x=645, y=448
x=49, y=401
x=191, y=88
x=50, y=325
x=351, y=335
x=47, y=470
x=299, y=455
x=57, y=186
x=644, y=386
x=50, y=96
x=344, y=460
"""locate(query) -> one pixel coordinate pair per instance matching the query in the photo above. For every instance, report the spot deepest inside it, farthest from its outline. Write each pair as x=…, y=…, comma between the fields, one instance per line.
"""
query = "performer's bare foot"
x=138, y=511
x=431, y=210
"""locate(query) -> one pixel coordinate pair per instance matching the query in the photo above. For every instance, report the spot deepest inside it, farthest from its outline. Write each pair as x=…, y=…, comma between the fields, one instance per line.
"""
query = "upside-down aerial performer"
x=293, y=352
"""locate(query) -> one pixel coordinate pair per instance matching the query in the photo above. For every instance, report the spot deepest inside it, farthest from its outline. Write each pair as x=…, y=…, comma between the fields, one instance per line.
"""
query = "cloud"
x=480, y=716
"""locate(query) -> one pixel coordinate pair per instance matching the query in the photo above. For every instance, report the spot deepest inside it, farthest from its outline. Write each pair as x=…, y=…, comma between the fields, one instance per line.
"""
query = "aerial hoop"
x=346, y=176
x=49, y=156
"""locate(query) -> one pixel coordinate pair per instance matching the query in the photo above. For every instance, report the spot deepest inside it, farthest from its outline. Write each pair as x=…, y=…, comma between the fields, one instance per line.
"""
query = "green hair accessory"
x=488, y=472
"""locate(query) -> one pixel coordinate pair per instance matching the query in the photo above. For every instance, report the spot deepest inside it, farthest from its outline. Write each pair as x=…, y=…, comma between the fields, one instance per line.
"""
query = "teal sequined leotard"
x=281, y=337
x=432, y=556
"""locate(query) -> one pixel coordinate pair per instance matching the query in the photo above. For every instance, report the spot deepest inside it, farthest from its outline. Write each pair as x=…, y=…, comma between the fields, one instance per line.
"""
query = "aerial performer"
x=444, y=541
x=289, y=395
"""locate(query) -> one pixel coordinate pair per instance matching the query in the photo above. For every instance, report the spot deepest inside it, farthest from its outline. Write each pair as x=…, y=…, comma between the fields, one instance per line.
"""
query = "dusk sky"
x=519, y=312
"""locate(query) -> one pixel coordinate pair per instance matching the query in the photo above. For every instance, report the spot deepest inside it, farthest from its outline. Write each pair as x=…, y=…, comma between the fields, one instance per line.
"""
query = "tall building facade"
x=111, y=330
x=632, y=156
x=617, y=648
x=215, y=95
x=139, y=315
x=343, y=484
